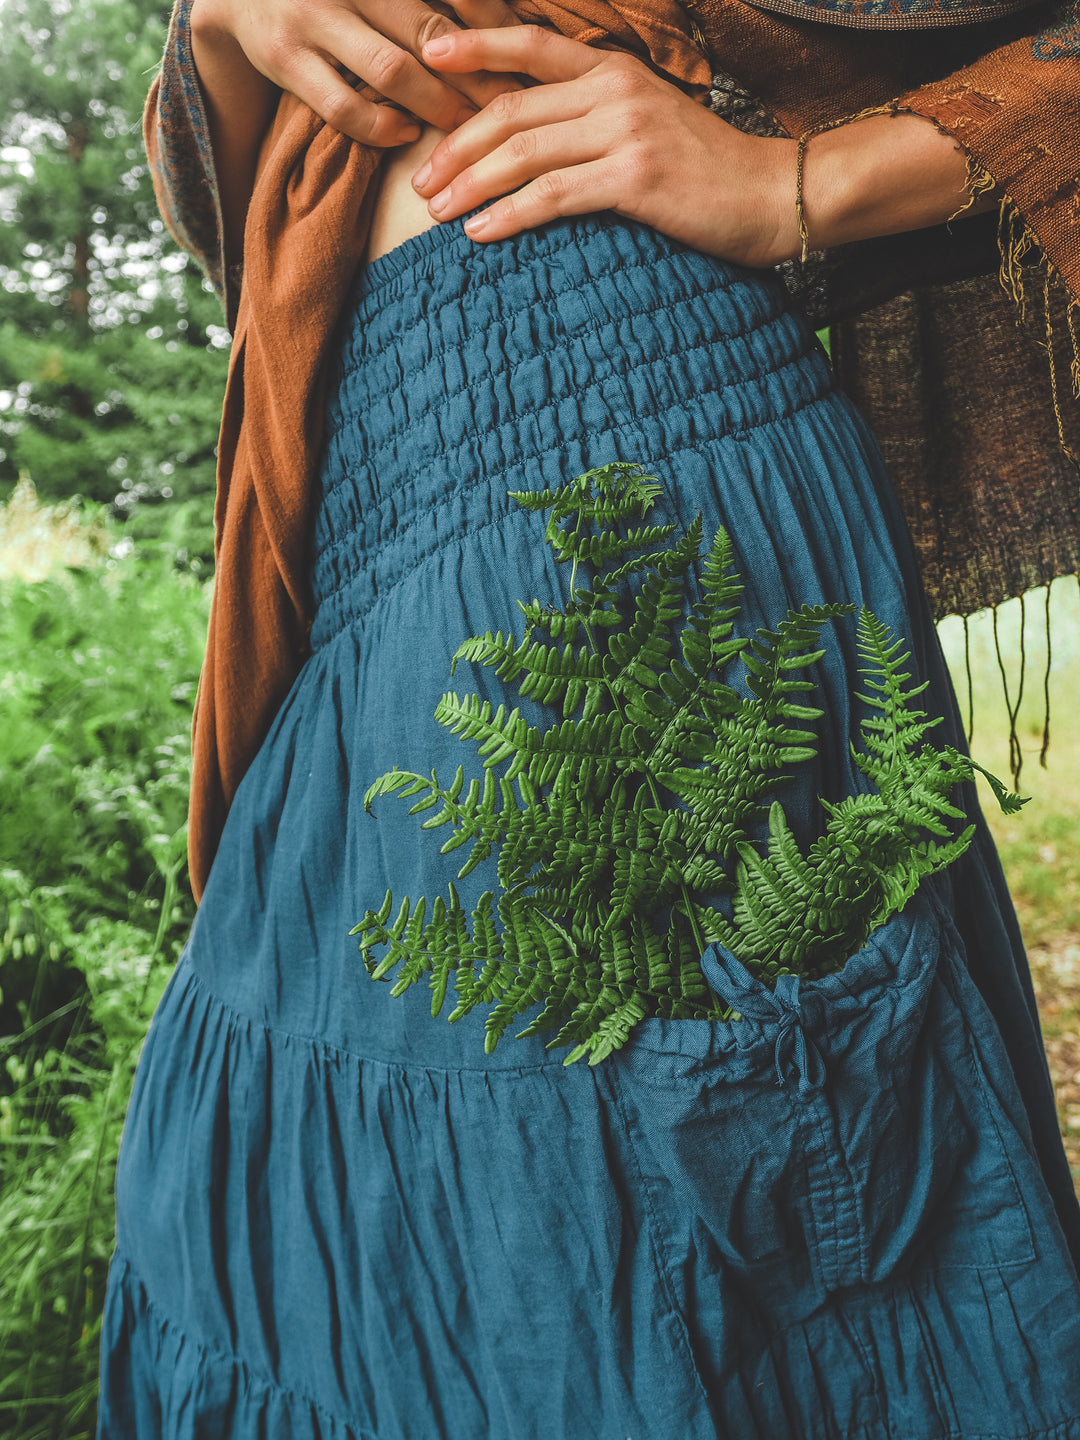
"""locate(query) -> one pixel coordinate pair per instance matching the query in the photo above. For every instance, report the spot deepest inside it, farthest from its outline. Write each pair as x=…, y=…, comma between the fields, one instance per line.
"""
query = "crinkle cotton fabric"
x=846, y=1214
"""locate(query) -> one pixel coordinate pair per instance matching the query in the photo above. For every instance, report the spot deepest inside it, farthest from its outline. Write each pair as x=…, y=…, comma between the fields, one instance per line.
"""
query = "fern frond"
x=707, y=638
x=499, y=735
x=603, y=496
x=1008, y=800
x=619, y=824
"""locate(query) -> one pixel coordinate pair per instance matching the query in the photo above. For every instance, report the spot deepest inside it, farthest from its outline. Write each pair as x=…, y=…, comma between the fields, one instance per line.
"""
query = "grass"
x=98, y=663
x=1039, y=848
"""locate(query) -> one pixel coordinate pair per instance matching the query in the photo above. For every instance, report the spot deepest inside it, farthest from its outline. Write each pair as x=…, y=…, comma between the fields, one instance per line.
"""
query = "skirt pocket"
x=841, y=1131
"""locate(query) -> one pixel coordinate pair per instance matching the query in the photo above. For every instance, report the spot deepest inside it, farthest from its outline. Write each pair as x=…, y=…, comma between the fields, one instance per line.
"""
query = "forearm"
x=240, y=103
x=639, y=145
x=878, y=176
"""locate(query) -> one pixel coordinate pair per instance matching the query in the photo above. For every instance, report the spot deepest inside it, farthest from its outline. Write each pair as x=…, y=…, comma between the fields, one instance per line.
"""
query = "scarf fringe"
x=1029, y=278
x=1013, y=702
x=1045, y=748
x=1023, y=264
x=978, y=182
x=1012, y=708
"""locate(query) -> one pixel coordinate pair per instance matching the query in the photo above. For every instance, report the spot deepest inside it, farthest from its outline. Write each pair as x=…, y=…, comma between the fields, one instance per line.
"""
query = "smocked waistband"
x=464, y=371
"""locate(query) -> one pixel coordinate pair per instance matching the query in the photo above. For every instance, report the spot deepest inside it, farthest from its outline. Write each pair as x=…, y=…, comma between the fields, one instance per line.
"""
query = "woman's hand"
x=603, y=132
x=302, y=46
x=245, y=49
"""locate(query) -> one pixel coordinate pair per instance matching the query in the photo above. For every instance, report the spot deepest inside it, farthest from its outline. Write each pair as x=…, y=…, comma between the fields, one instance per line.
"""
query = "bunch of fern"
x=624, y=829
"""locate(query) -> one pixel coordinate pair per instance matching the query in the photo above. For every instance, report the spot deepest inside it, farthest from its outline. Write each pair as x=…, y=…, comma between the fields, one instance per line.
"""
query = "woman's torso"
x=397, y=212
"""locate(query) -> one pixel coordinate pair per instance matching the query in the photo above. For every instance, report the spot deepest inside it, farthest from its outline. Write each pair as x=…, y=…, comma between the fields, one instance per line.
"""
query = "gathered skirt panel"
x=846, y=1214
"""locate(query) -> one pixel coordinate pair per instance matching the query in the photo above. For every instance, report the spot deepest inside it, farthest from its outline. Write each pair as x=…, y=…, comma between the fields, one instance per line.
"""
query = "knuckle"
x=277, y=49
x=521, y=147
x=430, y=27
x=388, y=68
x=551, y=191
x=338, y=107
x=624, y=81
x=505, y=109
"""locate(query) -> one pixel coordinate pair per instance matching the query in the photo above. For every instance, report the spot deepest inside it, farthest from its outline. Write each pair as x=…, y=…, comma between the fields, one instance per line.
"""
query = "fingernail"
x=422, y=176
x=437, y=47
x=478, y=224
x=438, y=203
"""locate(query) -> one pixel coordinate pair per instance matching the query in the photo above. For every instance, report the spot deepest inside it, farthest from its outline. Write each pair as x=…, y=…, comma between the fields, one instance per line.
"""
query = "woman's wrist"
x=771, y=166
x=882, y=175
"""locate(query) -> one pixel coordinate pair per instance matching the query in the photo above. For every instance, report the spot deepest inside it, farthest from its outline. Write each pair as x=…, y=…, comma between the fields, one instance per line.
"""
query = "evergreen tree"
x=112, y=352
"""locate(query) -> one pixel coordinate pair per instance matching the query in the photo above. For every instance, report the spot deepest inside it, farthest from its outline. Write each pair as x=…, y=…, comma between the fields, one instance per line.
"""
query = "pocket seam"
x=981, y=1086
x=656, y=1244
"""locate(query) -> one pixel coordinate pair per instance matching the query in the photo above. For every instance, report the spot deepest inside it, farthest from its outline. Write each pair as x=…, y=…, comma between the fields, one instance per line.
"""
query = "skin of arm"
x=239, y=104
x=601, y=131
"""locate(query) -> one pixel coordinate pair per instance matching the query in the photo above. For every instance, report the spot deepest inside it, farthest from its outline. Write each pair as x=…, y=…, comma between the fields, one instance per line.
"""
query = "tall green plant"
x=99, y=672
x=618, y=826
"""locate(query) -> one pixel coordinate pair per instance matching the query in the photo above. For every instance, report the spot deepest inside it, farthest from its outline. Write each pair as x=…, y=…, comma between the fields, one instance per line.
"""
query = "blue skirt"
x=337, y=1216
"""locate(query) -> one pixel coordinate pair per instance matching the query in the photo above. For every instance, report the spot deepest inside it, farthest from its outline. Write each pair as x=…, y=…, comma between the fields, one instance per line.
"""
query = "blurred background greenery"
x=112, y=365
x=112, y=351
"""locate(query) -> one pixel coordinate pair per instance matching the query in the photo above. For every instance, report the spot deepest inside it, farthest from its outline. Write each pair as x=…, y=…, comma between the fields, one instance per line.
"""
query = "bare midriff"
x=397, y=211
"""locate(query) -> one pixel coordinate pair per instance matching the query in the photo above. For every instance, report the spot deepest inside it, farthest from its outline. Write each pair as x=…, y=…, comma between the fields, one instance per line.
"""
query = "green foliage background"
x=99, y=669
x=112, y=350
x=112, y=364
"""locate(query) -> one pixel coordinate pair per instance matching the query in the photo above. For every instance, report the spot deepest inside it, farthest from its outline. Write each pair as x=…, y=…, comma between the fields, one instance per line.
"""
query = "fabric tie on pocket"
x=796, y=1055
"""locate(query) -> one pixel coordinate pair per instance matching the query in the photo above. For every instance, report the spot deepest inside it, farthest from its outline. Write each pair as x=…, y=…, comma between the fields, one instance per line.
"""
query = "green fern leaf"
x=618, y=825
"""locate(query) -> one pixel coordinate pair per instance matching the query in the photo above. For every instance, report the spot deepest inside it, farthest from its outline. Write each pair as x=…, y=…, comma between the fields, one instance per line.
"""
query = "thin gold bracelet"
x=800, y=161
x=800, y=199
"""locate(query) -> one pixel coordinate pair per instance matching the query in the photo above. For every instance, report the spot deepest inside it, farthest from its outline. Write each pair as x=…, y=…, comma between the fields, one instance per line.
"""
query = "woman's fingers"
x=525, y=157
x=579, y=190
x=521, y=49
x=302, y=45
x=385, y=63
x=316, y=82
x=401, y=29
x=572, y=141
x=503, y=133
x=481, y=87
